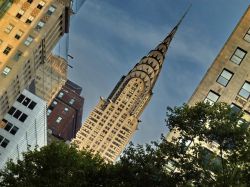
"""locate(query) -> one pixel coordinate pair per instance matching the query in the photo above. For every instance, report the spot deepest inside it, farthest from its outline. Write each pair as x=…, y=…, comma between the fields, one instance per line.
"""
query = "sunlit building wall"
x=112, y=123
x=29, y=30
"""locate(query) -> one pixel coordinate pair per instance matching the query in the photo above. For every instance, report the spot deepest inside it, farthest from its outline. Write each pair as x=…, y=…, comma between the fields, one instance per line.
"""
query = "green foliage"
x=185, y=161
x=219, y=128
x=142, y=166
x=55, y=165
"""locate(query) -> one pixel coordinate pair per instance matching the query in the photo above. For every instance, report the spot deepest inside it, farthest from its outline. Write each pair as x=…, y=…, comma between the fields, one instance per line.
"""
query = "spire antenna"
x=184, y=15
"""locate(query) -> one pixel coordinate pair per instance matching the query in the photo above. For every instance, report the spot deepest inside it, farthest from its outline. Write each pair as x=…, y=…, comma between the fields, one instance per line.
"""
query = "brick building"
x=65, y=112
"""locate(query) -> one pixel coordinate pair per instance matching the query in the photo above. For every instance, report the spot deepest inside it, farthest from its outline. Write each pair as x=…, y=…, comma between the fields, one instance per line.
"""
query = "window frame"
x=238, y=49
x=9, y=28
x=209, y=100
x=51, y=10
x=59, y=119
x=20, y=13
x=7, y=50
x=29, y=20
x=247, y=36
x=246, y=82
x=28, y=40
x=19, y=34
x=39, y=25
x=221, y=76
x=40, y=5
x=6, y=70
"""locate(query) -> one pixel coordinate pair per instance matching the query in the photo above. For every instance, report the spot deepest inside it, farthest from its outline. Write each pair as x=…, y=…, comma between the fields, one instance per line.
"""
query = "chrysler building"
x=112, y=123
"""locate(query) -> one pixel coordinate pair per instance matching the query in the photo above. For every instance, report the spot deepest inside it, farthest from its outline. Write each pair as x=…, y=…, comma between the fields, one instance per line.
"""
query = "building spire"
x=184, y=15
x=113, y=121
x=149, y=67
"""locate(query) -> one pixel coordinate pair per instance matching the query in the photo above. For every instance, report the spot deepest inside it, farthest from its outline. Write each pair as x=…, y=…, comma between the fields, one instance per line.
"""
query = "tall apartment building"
x=111, y=124
x=50, y=77
x=29, y=31
x=65, y=113
x=228, y=78
x=23, y=128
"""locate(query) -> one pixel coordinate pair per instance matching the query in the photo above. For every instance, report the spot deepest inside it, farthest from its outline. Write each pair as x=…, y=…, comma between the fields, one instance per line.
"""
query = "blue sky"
x=108, y=37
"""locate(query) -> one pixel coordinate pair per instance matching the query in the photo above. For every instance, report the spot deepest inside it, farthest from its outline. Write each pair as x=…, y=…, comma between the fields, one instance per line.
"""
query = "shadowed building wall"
x=65, y=113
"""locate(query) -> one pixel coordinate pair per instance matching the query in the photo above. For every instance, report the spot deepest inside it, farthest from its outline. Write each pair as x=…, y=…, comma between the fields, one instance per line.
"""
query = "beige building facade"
x=112, y=123
x=228, y=78
x=29, y=31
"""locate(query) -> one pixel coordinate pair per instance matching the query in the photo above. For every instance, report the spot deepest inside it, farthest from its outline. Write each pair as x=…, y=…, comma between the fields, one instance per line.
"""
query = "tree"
x=55, y=165
x=218, y=138
x=211, y=148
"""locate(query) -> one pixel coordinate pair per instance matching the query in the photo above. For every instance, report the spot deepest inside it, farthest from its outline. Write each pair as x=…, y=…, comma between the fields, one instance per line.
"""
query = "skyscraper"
x=23, y=128
x=29, y=31
x=65, y=113
x=111, y=124
x=228, y=78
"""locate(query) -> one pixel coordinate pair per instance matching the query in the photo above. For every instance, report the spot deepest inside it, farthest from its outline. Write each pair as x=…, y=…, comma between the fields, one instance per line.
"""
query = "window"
x=14, y=130
x=19, y=34
x=224, y=77
x=17, y=55
x=8, y=126
x=20, y=14
x=5, y=142
x=54, y=103
x=26, y=101
x=71, y=101
x=12, y=110
x=212, y=97
x=59, y=119
x=20, y=98
x=235, y=108
x=29, y=20
x=23, y=117
x=17, y=114
x=49, y=112
x=7, y=50
x=247, y=36
x=11, y=128
x=40, y=5
x=238, y=55
x=6, y=70
x=30, y=1
x=32, y=105
x=60, y=94
x=9, y=28
x=28, y=40
x=40, y=25
x=51, y=10
x=245, y=90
